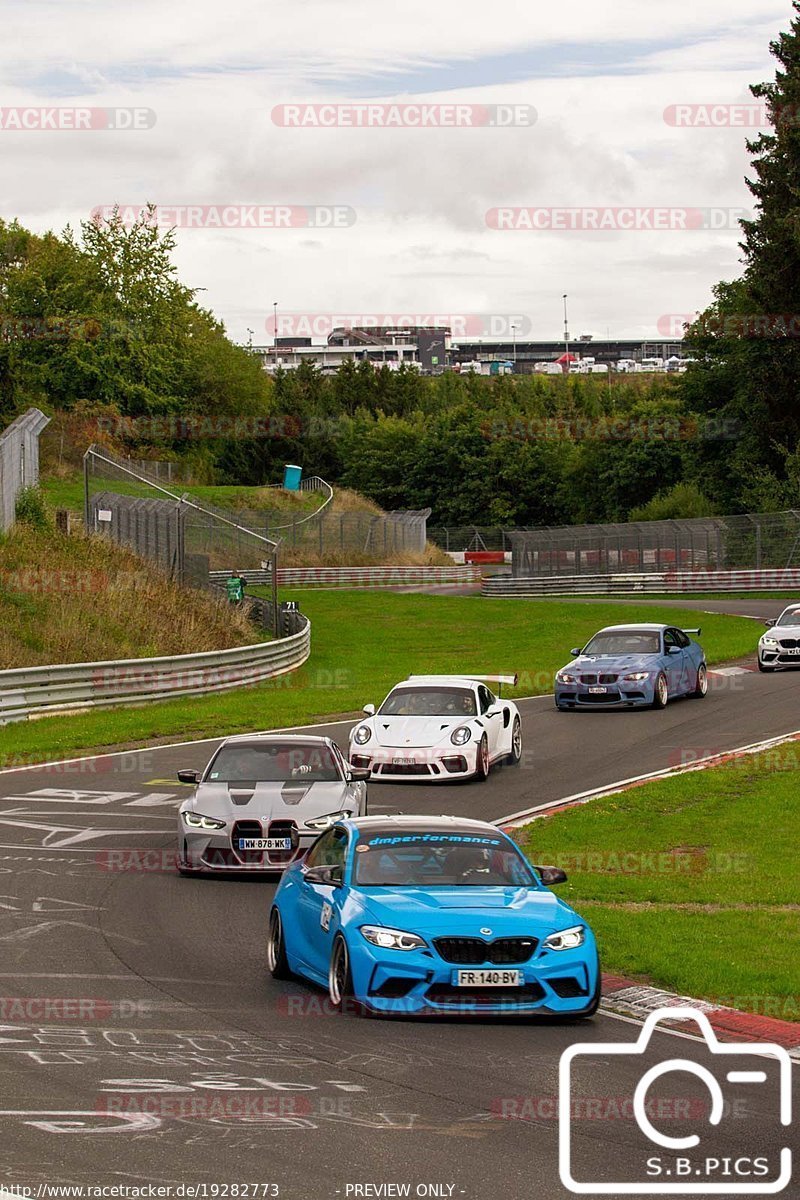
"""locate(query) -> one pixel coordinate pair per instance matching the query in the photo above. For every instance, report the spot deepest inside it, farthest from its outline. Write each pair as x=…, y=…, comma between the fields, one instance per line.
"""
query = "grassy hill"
x=78, y=599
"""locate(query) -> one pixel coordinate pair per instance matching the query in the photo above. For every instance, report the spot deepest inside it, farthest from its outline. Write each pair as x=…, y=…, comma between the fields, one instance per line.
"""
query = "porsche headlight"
x=566, y=939
x=392, y=939
x=636, y=676
x=362, y=735
x=198, y=821
x=326, y=821
x=460, y=736
x=769, y=641
x=564, y=677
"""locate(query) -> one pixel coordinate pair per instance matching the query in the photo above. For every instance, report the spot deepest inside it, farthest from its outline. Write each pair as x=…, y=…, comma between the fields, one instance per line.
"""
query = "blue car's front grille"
x=467, y=951
x=444, y=994
x=599, y=678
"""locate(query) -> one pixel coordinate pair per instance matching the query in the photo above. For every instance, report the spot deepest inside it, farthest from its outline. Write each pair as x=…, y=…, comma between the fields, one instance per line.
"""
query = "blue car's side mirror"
x=673, y=649
x=329, y=876
x=551, y=876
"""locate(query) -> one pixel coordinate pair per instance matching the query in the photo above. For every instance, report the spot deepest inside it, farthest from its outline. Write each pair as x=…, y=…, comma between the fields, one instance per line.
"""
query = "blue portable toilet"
x=291, y=477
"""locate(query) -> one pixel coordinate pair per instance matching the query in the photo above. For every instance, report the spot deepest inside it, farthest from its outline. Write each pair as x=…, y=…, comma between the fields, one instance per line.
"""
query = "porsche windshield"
x=625, y=641
x=428, y=860
x=274, y=762
x=434, y=701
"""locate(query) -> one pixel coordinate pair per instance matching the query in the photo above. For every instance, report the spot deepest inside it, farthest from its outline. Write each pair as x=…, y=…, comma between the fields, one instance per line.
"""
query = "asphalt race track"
x=142, y=1040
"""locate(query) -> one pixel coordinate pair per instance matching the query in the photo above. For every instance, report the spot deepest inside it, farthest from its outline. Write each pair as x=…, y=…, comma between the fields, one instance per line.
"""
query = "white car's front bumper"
x=444, y=763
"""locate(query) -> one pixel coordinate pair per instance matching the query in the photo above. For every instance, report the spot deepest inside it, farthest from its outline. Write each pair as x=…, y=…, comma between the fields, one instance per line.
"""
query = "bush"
x=31, y=509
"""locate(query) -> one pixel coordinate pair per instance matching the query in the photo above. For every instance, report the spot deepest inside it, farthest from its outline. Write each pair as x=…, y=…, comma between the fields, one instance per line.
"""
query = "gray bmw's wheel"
x=661, y=692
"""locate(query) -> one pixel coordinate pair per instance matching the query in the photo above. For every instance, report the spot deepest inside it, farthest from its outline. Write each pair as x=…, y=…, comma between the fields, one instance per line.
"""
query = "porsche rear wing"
x=696, y=631
x=511, y=680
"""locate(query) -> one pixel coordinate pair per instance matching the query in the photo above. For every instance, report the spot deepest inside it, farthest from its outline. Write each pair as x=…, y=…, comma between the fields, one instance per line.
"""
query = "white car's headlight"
x=769, y=641
x=566, y=939
x=636, y=676
x=392, y=939
x=565, y=677
x=460, y=736
x=362, y=735
x=326, y=821
x=198, y=821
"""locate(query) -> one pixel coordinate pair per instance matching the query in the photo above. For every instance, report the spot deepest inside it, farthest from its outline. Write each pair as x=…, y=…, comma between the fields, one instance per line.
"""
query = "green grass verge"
x=68, y=493
x=363, y=642
x=691, y=883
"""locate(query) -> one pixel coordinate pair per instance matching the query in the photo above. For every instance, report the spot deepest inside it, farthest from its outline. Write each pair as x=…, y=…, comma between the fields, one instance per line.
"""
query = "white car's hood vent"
x=414, y=731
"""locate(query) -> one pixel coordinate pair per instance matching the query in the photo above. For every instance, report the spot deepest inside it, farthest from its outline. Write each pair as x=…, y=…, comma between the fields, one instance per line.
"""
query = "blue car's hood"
x=611, y=663
x=465, y=910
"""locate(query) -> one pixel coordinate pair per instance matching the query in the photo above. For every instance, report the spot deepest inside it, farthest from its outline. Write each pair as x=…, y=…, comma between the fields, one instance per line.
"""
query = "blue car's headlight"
x=198, y=821
x=564, y=677
x=636, y=676
x=460, y=736
x=392, y=939
x=566, y=939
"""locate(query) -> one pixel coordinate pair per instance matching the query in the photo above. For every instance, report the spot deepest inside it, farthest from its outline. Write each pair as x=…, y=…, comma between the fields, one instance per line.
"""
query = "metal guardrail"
x=673, y=582
x=36, y=691
x=360, y=577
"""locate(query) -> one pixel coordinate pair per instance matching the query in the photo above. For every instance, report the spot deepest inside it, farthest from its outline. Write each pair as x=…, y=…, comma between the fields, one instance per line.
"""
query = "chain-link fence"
x=184, y=537
x=470, y=537
x=748, y=541
x=19, y=460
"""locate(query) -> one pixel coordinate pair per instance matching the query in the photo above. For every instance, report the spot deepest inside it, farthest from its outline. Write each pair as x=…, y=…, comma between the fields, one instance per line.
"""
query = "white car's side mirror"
x=369, y=709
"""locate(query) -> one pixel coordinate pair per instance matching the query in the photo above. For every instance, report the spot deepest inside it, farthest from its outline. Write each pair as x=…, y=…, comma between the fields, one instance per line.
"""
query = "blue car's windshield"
x=625, y=641
x=439, y=860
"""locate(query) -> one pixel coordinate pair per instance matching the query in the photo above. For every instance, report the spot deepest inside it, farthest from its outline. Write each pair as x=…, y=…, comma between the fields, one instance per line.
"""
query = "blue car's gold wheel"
x=661, y=692
x=701, y=687
x=340, y=979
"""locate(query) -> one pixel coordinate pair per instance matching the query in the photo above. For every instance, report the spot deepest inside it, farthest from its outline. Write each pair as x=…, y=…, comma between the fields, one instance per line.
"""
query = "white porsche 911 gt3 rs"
x=438, y=729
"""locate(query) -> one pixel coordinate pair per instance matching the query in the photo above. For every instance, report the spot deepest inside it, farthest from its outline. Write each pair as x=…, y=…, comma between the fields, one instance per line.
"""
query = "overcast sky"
x=414, y=235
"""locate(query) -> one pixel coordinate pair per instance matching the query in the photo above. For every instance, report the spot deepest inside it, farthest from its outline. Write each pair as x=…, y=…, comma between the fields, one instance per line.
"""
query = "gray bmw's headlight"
x=326, y=821
x=564, y=677
x=362, y=735
x=392, y=939
x=769, y=641
x=460, y=736
x=636, y=676
x=198, y=821
x=566, y=939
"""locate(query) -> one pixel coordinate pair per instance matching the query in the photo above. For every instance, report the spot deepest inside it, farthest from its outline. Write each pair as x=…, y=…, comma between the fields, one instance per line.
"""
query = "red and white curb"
x=626, y=997
x=631, y=999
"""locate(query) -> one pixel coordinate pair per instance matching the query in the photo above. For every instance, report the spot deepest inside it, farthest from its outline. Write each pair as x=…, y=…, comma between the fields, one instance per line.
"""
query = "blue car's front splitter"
x=393, y=987
x=581, y=697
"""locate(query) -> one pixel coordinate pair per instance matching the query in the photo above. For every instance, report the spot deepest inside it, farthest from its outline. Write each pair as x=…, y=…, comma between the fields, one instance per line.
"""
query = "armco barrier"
x=673, y=582
x=36, y=691
x=361, y=577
